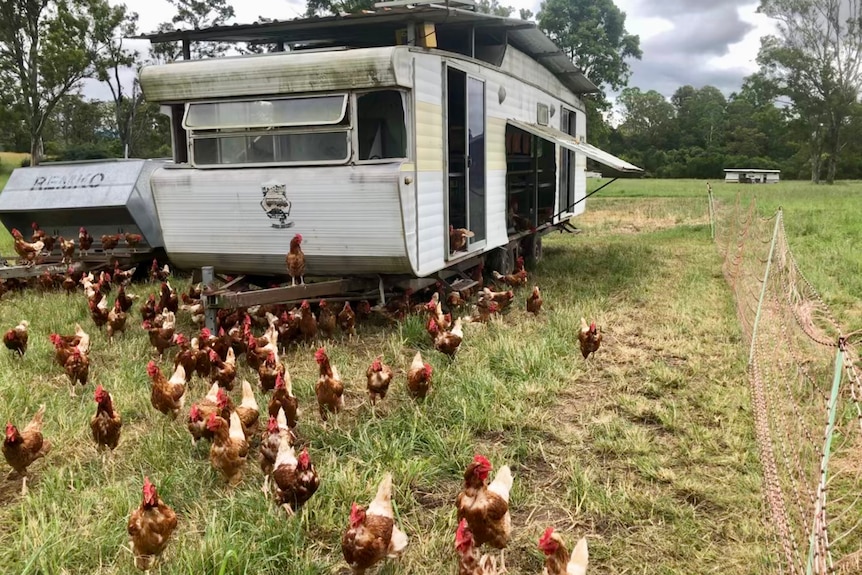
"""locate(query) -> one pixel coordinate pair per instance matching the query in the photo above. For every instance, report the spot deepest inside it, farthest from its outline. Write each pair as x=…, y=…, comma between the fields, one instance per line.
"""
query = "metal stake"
x=208, y=277
x=763, y=288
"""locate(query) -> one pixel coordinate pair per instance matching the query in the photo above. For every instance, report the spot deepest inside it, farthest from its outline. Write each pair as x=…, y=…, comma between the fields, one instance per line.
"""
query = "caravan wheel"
x=531, y=249
x=500, y=260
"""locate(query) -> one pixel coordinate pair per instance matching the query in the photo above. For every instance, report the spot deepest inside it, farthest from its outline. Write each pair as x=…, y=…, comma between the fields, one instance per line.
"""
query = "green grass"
x=647, y=449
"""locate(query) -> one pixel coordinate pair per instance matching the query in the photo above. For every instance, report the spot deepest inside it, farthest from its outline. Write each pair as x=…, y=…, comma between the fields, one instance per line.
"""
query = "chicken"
x=116, y=320
x=216, y=401
x=486, y=507
x=77, y=368
x=269, y=445
x=534, y=302
x=16, y=338
x=458, y=238
x=295, y=478
x=23, y=448
x=133, y=240
x=127, y=300
x=106, y=423
x=419, y=377
x=379, y=376
x=515, y=279
x=39, y=235
x=69, y=284
x=203, y=365
x=196, y=311
x=167, y=395
x=67, y=249
x=161, y=338
x=503, y=298
x=307, y=322
x=590, y=338
x=158, y=274
x=85, y=241
x=329, y=389
x=326, y=320
x=284, y=400
x=363, y=310
x=248, y=411
x=121, y=277
x=229, y=449
x=268, y=372
x=27, y=251
x=185, y=356
x=64, y=344
x=99, y=311
x=557, y=559
x=150, y=528
x=110, y=242
x=347, y=320
x=295, y=261
x=47, y=281
x=485, y=309
x=372, y=534
x=223, y=372
x=469, y=561
x=148, y=309
x=168, y=299
x=447, y=342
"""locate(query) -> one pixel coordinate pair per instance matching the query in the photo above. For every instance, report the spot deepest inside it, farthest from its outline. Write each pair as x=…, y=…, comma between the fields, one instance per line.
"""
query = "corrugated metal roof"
x=370, y=26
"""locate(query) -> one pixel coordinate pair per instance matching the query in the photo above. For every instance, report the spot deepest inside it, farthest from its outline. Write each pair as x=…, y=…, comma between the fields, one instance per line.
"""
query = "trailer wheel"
x=531, y=248
x=500, y=260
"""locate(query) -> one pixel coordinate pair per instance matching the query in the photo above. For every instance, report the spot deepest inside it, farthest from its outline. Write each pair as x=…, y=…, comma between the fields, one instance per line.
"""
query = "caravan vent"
x=544, y=115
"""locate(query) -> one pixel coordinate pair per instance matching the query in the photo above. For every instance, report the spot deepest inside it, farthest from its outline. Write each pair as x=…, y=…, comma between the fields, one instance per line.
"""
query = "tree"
x=195, y=14
x=647, y=118
x=700, y=116
x=46, y=48
x=335, y=7
x=494, y=8
x=593, y=34
x=816, y=60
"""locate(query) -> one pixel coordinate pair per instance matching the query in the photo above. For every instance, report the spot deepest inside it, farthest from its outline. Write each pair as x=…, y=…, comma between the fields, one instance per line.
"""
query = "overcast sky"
x=695, y=42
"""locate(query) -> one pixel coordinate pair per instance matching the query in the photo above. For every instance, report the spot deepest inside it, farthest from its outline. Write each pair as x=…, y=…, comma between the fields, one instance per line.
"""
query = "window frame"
x=249, y=126
x=408, y=129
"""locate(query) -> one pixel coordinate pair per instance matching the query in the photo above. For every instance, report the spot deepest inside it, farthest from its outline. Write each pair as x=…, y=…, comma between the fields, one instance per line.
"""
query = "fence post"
x=207, y=278
x=711, y=211
x=763, y=288
x=827, y=447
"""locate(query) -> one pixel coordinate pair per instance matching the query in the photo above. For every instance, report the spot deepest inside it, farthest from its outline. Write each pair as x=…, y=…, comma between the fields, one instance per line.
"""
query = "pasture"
x=647, y=449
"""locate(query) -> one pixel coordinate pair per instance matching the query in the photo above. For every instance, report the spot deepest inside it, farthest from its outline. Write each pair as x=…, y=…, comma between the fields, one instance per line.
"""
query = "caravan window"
x=306, y=111
x=381, y=126
x=308, y=148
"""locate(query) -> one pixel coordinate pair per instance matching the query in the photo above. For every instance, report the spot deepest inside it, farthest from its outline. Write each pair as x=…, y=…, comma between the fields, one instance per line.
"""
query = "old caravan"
x=371, y=135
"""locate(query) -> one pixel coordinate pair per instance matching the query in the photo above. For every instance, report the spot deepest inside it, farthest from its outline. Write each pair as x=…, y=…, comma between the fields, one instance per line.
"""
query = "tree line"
x=798, y=113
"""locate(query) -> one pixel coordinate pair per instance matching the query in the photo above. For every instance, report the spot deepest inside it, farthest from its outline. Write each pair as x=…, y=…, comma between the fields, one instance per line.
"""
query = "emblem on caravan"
x=275, y=204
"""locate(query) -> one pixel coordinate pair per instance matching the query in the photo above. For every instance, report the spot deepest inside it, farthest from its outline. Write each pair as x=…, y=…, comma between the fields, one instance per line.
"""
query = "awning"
x=572, y=143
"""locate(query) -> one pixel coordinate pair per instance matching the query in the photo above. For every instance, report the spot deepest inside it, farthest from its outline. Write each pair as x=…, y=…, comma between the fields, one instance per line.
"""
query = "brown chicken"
x=99, y=310
x=167, y=395
x=203, y=365
x=85, y=241
x=447, y=342
x=216, y=401
x=502, y=298
x=69, y=284
x=185, y=356
x=38, y=234
x=229, y=448
x=269, y=445
x=534, y=302
x=458, y=238
x=159, y=274
x=223, y=372
x=27, y=251
x=110, y=242
x=283, y=399
x=150, y=528
x=16, y=338
x=121, y=277
x=295, y=261
x=590, y=338
x=347, y=320
x=162, y=338
x=168, y=299
x=307, y=322
x=486, y=507
x=248, y=411
x=419, y=377
x=116, y=320
x=372, y=535
x=379, y=376
x=515, y=279
x=329, y=389
x=269, y=371
x=133, y=240
x=326, y=320
x=469, y=561
x=23, y=448
x=77, y=368
x=67, y=249
x=557, y=559
x=106, y=423
x=295, y=478
x=363, y=310
x=47, y=281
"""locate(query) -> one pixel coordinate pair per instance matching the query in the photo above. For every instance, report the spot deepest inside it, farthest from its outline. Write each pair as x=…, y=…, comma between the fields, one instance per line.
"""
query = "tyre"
x=531, y=249
x=500, y=260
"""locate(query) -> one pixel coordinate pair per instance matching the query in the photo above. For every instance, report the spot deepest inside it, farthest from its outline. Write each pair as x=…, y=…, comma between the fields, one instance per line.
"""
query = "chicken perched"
x=77, y=368
x=447, y=342
x=106, y=423
x=372, y=534
x=379, y=376
x=67, y=249
x=110, y=242
x=557, y=559
x=27, y=251
x=347, y=320
x=326, y=320
x=458, y=238
x=295, y=478
x=534, y=302
x=150, y=528
x=590, y=338
x=486, y=507
x=16, y=338
x=284, y=400
x=248, y=411
x=223, y=372
x=329, y=389
x=469, y=561
x=85, y=241
x=116, y=320
x=419, y=377
x=23, y=448
x=229, y=449
x=167, y=395
x=133, y=240
x=295, y=261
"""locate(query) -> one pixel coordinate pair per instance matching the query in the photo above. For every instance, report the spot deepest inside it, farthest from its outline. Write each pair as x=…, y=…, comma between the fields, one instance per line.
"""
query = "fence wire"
x=806, y=391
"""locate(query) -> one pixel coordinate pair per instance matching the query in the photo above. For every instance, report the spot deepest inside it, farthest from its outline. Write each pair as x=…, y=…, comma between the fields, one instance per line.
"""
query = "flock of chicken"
x=371, y=535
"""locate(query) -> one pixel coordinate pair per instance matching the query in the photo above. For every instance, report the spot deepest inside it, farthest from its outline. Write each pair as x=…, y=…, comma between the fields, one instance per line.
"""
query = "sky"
x=697, y=42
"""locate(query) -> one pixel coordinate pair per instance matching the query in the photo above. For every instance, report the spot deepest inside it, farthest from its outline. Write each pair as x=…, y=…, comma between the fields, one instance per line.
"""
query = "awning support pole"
x=555, y=216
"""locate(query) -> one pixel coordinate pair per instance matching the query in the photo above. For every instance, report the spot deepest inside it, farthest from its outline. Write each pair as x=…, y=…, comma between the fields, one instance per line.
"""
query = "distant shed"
x=751, y=176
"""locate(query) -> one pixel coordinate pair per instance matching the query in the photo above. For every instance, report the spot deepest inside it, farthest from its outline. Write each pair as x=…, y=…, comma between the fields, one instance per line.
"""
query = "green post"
x=827, y=447
x=763, y=288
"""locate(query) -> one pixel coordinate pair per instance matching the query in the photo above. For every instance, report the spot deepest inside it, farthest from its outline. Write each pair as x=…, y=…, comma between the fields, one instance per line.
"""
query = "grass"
x=648, y=448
